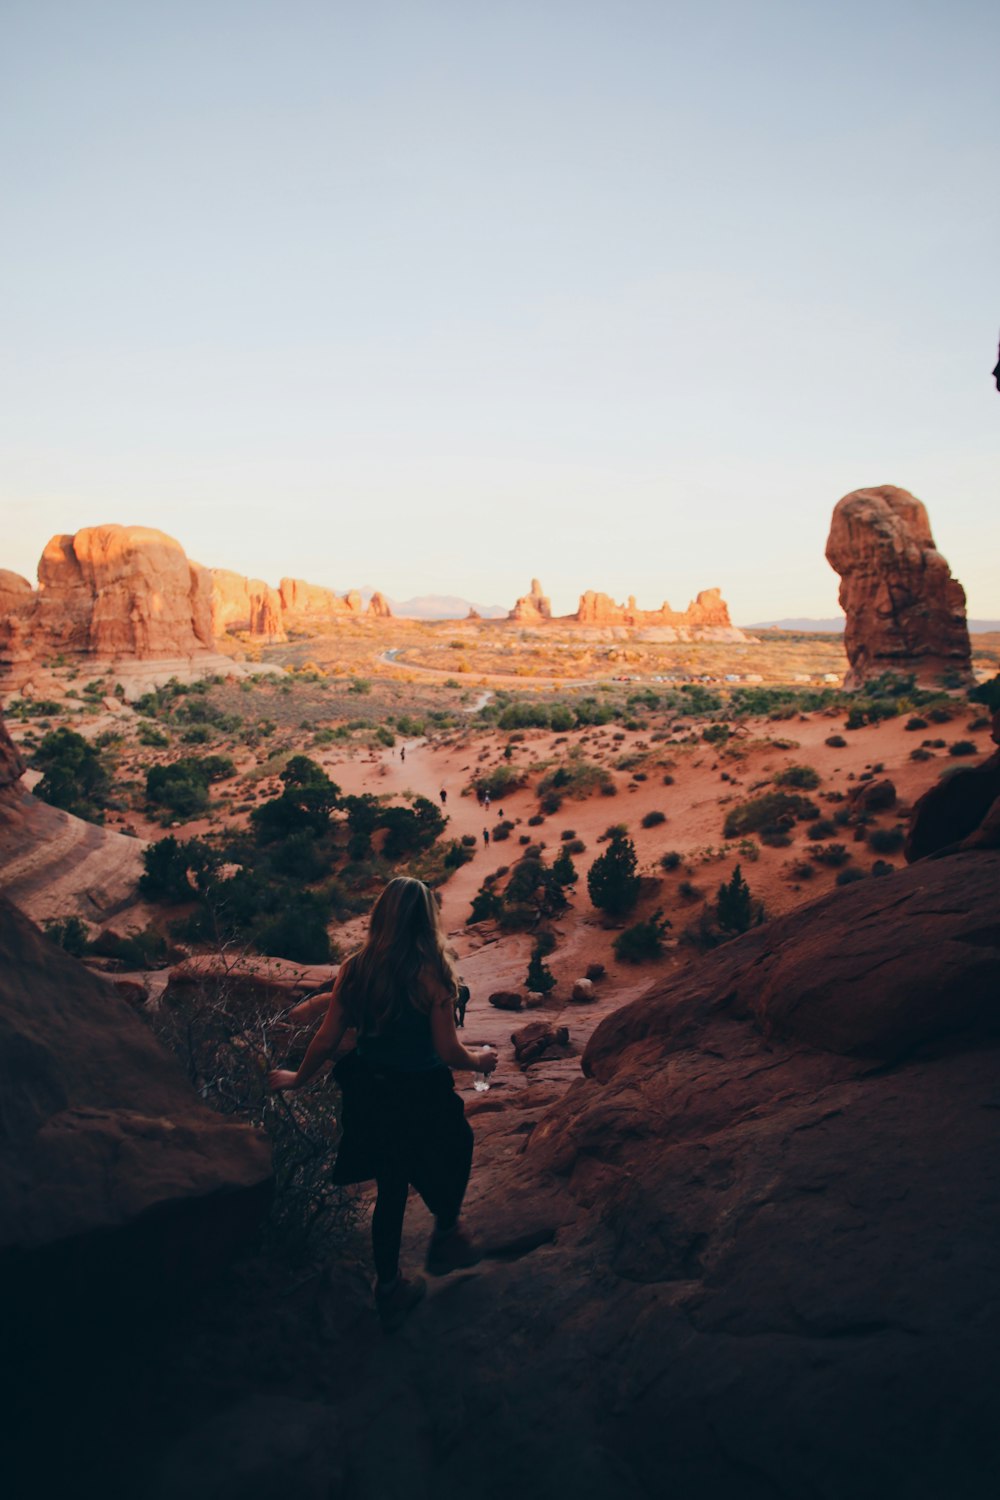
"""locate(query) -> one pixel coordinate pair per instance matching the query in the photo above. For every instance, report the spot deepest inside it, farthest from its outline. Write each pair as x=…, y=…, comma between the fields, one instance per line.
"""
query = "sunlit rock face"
x=905, y=612
x=708, y=611
x=532, y=608
x=246, y=605
x=109, y=592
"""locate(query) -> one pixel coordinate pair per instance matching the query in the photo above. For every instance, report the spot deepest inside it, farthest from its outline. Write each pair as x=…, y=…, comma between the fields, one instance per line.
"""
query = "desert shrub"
x=550, y=803
x=74, y=776
x=70, y=933
x=856, y=719
x=608, y=789
x=469, y=840
x=458, y=853
x=563, y=868
x=486, y=904
x=848, y=875
x=501, y=831
x=670, y=860
x=833, y=855
x=881, y=867
x=749, y=850
x=835, y=741
x=539, y=978
x=169, y=865
x=411, y=828
x=987, y=693
x=915, y=723
x=775, y=836
x=886, y=840
x=668, y=780
x=980, y=723
x=962, y=747
x=921, y=754
x=576, y=846
x=308, y=798
x=567, y=834
x=932, y=744
x=611, y=880
x=150, y=735
x=181, y=790
x=298, y=931
x=642, y=941
x=516, y=917
x=715, y=734
x=535, y=820
x=768, y=810
x=652, y=819
x=823, y=828
x=688, y=891
x=941, y=713
x=801, y=869
x=139, y=949
x=805, y=778
x=577, y=777
x=499, y=781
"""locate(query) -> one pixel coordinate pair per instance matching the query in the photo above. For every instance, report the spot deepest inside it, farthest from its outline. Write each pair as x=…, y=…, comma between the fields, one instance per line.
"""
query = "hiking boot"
x=394, y=1305
x=453, y=1251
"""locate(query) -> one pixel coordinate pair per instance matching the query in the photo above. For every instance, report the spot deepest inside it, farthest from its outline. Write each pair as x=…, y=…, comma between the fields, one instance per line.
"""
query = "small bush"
x=804, y=778
x=670, y=860
x=69, y=932
x=772, y=809
x=539, y=978
x=941, y=714
x=567, y=834
x=835, y=741
x=576, y=846
x=921, y=754
x=535, y=820
x=849, y=875
x=501, y=831
x=653, y=819
x=833, y=855
x=689, y=892
x=881, y=867
x=886, y=840
x=611, y=880
x=916, y=722
x=962, y=747
x=823, y=828
x=642, y=941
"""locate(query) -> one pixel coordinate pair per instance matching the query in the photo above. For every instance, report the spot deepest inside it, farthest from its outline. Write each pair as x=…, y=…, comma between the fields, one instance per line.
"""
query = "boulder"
x=874, y=796
x=960, y=812
x=531, y=1041
x=905, y=613
x=247, y=979
x=506, y=999
x=583, y=992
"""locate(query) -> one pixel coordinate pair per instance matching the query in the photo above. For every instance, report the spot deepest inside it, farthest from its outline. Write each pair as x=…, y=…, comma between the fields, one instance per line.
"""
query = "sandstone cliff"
x=247, y=605
x=905, y=612
x=108, y=592
x=708, y=610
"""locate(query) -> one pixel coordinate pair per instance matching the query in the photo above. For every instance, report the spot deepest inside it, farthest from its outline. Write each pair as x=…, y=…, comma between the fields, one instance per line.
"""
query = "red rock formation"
x=15, y=592
x=961, y=812
x=378, y=605
x=708, y=611
x=306, y=603
x=247, y=605
x=905, y=612
x=533, y=608
x=11, y=764
x=110, y=592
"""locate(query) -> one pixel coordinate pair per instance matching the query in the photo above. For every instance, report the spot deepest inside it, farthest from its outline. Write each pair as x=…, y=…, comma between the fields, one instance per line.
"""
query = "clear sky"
x=435, y=295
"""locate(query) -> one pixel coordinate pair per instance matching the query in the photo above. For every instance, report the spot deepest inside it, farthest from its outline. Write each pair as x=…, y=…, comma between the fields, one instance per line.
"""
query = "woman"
x=403, y=1122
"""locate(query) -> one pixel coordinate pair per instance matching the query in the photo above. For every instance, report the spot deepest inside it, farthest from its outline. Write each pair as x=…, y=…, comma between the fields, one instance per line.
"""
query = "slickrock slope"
x=961, y=812
x=110, y=1166
x=905, y=612
x=55, y=865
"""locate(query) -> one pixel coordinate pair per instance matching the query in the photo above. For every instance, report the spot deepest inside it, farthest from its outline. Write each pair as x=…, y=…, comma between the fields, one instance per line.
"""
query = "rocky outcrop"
x=246, y=606
x=533, y=608
x=306, y=605
x=905, y=613
x=960, y=812
x=708, y=611
x=108, y=593
x=110, y=1166
x=379, y=606
x=11, y=764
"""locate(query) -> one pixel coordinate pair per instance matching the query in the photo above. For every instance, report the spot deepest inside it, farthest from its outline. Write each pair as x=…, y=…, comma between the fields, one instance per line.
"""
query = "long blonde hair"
x=405, y=945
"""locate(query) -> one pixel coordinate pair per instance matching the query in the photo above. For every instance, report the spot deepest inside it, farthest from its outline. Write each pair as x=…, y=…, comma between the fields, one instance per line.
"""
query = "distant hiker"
x=403, y=1122
x=402, y=752
x=486, y=835
x=444, y=796
x=500, y=813
x=486, y=801
x=461, y=1001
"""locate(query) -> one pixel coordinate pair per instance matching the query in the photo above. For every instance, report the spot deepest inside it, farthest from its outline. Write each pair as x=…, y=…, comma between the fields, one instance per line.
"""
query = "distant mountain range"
x=441, y=607
x=836, y=626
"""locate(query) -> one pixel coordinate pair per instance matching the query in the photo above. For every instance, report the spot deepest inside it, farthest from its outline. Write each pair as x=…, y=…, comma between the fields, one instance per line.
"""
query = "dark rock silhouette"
x=961, y=812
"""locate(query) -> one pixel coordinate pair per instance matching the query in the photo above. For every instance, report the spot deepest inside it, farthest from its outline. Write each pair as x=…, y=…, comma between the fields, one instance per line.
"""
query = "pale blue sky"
x=439, y=294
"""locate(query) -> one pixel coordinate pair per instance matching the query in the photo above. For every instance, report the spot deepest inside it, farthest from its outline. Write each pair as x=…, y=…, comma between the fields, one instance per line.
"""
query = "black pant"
x=441, y=1185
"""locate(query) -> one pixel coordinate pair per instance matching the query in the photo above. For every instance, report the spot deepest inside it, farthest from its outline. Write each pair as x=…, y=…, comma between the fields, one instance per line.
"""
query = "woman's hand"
x=281, y=1078
x=487, y=1060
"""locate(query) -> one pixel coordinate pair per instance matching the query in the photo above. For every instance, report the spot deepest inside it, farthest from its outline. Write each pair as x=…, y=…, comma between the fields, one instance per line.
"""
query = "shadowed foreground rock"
x=110, y=1167
x=755, y=1253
